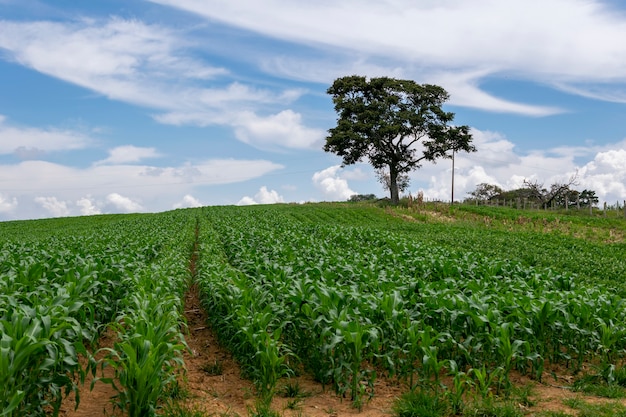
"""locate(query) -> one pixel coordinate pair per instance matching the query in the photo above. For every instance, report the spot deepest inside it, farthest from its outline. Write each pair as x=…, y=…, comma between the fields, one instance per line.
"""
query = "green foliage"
x=419, y=403
x=585, y=409
x=381, y=119
x=362, y=197
x=148, y=354
x=348, y=299
x=62, y=282
x=347, y=292
x=493, y=409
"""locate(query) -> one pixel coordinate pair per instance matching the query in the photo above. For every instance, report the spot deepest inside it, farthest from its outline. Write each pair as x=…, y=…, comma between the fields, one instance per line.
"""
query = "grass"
x=428, y=403
x=493, y=409
x=214, y=368
x=293, y=390
x=586, y=409
x=420, y=403
x=595, y=385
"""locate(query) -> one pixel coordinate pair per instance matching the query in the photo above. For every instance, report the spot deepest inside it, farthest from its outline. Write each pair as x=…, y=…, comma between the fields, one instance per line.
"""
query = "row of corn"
x=61, y=287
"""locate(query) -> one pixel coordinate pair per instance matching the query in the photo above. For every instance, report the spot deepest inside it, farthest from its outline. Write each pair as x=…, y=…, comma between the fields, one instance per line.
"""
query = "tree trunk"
x=393, y=185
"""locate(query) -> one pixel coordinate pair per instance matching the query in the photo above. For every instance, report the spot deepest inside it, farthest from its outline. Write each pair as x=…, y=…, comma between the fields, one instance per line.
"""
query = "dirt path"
x=96, y=402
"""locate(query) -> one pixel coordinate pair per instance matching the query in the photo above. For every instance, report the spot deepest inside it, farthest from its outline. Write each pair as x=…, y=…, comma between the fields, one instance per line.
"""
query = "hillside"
x=316, y=309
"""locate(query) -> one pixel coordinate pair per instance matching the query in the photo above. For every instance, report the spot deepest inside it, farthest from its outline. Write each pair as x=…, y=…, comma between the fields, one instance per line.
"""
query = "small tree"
x=588, y=198
x=385, y=119
x=486, y=191
x=556, y=192
x=362, y=197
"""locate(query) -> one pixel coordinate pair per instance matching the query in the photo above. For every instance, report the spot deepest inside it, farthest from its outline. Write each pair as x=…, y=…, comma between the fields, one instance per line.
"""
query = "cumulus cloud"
x=332, y=183
x=124, y=204
x=87, y=206
x=264, y=196
x=284, y=129
x=188, y=201
x=7, y=204
x=498, y=162
x=606, y=175
x=53, y=206
x=128, y=154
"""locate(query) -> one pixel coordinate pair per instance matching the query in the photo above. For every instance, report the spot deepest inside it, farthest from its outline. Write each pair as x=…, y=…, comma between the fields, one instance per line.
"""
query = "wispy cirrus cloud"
x=122, y=59
x=32, y=143
x=569, y=44
x=146, y=65
x=129, y=154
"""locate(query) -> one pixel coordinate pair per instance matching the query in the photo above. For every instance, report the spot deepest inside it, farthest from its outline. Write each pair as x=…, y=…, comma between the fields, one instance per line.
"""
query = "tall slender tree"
x=395, y=124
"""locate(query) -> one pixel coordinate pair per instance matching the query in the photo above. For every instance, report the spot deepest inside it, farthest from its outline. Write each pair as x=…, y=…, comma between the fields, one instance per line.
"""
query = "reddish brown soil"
x=98, y=401
x=230, y=394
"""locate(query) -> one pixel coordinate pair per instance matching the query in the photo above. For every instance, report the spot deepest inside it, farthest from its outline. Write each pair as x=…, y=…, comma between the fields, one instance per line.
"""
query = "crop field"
x=451, y=306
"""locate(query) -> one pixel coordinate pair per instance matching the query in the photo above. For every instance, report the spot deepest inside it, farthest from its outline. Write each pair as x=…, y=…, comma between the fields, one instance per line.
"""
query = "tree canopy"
x=395, y=124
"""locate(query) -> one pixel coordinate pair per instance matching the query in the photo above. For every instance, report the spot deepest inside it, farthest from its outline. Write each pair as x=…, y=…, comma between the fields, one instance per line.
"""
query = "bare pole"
x=452, y=198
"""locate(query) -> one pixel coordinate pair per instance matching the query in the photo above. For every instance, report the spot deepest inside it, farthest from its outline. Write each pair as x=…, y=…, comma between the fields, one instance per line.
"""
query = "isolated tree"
x=395, y=124
x=486, y=191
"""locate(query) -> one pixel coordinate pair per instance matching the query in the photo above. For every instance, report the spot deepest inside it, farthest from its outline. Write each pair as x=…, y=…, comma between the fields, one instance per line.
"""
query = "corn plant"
x=38, y=360
x=147, y=357
x=492, y=315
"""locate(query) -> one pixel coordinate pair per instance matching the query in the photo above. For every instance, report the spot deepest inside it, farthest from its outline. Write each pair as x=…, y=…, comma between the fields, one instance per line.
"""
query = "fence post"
x=566, y=203
x=605, y=209
x=578, y=201
x=625, y=209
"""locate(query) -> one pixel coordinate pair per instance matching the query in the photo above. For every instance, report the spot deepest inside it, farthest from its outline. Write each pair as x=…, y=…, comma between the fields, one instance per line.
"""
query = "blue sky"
x=128, y=105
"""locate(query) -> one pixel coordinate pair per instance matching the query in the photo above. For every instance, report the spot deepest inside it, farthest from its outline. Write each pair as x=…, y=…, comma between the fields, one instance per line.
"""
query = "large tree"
x=396, y=124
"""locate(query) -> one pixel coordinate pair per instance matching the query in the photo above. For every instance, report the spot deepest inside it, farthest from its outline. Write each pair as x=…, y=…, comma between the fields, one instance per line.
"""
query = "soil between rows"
x=230, y=394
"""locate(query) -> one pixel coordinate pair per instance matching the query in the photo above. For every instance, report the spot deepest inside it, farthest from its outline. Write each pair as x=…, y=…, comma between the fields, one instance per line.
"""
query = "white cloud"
x=606, y=175
x=87, y=206
x=264, y=196
x=497, y=162
x=332, y=183
x=149, y=65
x=53, y=206
x=187, y=202
x=246, y=201
x=282, y=129
x=128, y=154
x=148, y=188
x=125, y=204
x=32, y=143
x=125, y=60
x=569, y=44
x=7, y=204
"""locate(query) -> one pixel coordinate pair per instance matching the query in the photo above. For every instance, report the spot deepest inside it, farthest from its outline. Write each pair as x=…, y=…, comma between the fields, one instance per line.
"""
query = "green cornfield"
x=455, y=302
